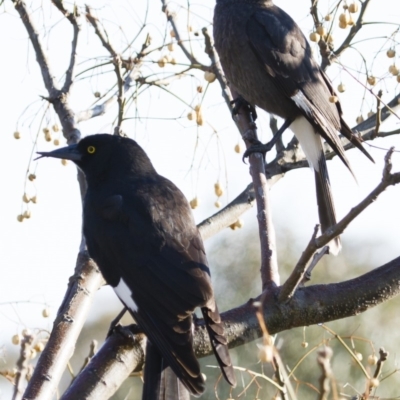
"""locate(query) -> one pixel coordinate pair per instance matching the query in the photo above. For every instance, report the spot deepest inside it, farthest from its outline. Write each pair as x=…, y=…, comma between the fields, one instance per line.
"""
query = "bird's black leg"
x=240, y=102
x=115, y=321
x=259, y=147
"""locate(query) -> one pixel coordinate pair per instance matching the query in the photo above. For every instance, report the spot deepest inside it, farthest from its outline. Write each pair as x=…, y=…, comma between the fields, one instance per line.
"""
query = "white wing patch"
x=125, y=295
x=302, y=102
x=309, y=140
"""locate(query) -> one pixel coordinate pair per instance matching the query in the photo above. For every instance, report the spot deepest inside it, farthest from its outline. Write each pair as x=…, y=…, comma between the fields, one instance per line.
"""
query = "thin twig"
x=74, y=19
x=388, y=179
x=22, y=366
x=378, y=113
x=171, y=19
x=323, y=359
x=316, y=259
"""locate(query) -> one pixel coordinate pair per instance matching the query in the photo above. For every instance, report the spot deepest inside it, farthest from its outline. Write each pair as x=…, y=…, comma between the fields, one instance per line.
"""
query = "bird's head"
x=105, y=154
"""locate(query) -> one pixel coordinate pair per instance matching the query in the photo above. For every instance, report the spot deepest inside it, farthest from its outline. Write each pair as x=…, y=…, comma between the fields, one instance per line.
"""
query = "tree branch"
x=41, y=57
x=66, y=328
x=171, y=19
x=297, y=276
x=74, y=19
x=310, y=305
x=248, y=130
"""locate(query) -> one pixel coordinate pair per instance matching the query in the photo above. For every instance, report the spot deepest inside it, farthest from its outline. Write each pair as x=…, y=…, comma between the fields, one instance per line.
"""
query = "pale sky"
x=38, y=256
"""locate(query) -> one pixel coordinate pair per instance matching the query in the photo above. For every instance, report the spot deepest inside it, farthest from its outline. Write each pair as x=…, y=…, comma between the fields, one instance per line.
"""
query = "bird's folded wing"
x=279, y=44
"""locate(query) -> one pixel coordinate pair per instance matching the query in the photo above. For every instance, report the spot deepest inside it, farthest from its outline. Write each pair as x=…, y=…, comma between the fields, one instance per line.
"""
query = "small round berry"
x=238, y=148
x=359, y=119
x=194, y=203
x=218, y=189
x=304, y=345
x=26, y=332
x=321, y=30
x=315, y=37
x=17, y=135
x=371, y=80
x=31, y=177
x=353, y=7
x=39, y=347
x=16, y=339
x=391, y=53
x=341, y=88
x=372, y=359
x=209, y=76
x=97, y=94
x=333, y=99
x=217, y=204
x=171, y=46
x=56, y=142
x=46, y=312
x=374, y=382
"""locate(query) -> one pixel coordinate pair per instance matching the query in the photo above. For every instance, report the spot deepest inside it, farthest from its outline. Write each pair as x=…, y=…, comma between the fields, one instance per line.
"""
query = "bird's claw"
x=258, y=147
x=240, y=102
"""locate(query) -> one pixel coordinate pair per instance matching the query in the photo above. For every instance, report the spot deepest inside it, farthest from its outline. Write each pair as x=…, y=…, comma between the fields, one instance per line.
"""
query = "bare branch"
x=310, y=305
x=324, y=361
x=388, y=179
x=22, y=366
x=103, y=108
x=248, y=130
x=66, y=328
x=100, y=32
x=121, y=354
x=171, y=20
x=41, y=57
x=74, y=19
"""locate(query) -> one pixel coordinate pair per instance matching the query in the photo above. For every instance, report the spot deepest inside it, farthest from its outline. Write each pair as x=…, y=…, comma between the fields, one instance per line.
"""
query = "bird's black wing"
x=154, y=245
x=281, y=47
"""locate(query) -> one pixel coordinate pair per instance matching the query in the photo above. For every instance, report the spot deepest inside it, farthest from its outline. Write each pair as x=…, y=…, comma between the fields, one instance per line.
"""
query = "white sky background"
x=38, y=256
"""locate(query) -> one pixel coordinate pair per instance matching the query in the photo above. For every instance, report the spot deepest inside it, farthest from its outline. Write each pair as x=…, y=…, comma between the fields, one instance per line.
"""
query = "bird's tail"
x=218, y=341
x=160, y=382
x=326, y=208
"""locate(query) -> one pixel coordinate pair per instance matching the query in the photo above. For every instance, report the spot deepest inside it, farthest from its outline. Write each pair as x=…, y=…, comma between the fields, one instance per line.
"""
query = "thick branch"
x=66, y=329
x=310, y=305
x=122, y=354
x=248, y=130
x=41, y=57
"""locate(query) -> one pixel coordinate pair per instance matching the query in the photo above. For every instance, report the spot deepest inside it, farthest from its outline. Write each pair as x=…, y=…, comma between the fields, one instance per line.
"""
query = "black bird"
x=140, y=231
x=268, y=60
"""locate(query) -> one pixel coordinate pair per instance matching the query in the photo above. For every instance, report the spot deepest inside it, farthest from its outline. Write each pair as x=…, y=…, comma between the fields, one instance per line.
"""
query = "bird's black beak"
x=67, y=153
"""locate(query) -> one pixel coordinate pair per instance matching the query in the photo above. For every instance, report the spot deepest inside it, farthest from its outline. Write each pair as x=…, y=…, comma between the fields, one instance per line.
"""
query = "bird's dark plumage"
x=140, y=231
x=268, y=60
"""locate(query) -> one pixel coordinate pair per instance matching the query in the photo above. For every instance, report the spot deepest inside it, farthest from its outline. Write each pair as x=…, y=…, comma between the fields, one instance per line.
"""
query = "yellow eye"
x=91, y=149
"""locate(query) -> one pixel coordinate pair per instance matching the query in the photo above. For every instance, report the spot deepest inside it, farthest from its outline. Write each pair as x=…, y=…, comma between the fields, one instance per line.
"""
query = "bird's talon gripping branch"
x=240, y=102
x=258, y=148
